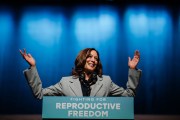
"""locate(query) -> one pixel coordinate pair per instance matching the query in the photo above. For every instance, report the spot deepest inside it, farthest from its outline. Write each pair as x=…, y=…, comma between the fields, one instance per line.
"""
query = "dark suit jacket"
x=69, y=86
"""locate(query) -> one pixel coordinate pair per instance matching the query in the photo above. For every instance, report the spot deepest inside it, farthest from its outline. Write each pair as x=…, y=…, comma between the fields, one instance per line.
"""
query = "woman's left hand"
x=133, y=63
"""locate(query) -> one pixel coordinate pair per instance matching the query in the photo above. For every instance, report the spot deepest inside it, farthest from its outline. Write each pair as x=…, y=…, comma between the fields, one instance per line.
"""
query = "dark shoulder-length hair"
x=81, y=61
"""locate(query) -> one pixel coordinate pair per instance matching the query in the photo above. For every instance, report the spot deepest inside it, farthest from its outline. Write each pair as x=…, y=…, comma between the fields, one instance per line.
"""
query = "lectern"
x=57, y=107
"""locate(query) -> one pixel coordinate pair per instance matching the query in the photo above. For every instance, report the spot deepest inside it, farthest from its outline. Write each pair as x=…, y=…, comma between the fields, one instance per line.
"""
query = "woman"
x=86, y=79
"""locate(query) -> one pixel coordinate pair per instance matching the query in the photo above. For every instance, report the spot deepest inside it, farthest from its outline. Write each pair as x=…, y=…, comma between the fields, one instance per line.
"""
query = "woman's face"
x=91, y=61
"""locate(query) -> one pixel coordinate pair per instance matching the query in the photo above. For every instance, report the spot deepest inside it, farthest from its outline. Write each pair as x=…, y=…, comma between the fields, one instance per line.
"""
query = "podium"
x=57, y=107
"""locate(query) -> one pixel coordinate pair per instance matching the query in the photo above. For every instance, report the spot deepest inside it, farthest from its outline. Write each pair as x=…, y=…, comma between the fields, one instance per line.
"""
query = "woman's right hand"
x=30, y=60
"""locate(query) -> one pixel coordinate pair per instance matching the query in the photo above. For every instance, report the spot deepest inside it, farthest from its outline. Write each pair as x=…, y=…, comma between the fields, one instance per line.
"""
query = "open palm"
x=133, y=63
x=30, y=60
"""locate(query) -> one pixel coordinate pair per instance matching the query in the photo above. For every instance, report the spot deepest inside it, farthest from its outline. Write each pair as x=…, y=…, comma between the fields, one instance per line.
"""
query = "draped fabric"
x=55, y=34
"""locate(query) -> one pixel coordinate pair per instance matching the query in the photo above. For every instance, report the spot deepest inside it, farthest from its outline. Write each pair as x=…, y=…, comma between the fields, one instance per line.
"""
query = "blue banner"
x=88, y=107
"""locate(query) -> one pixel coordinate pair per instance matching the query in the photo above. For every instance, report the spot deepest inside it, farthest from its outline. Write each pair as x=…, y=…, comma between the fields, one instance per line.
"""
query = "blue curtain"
x=55, y=34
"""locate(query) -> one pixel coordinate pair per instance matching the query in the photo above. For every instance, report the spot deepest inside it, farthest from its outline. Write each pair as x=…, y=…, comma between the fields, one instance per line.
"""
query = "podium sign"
x=55, y=107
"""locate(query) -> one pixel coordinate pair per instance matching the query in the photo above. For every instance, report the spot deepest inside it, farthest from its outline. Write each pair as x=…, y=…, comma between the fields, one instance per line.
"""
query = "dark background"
x=54, y=31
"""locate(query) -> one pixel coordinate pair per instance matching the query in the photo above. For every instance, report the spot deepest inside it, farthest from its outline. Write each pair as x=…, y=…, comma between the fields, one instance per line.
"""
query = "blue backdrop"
x=54, y=34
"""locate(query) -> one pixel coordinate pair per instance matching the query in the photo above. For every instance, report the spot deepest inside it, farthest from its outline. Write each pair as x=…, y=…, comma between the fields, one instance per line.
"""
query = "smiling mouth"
x=92, y=65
